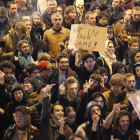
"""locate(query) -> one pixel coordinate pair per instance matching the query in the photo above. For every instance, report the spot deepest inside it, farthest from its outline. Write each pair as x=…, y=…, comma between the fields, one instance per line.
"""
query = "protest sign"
x=135, y=101
x=87, y=37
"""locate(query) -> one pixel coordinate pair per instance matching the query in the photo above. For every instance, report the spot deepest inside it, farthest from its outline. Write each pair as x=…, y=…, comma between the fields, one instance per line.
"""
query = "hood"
x=95, y=94
x=133, y=68
x=93, y=4
x=115, y=65
x=3, y=12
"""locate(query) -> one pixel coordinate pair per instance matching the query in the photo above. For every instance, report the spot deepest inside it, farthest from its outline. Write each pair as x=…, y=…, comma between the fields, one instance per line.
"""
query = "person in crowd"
x=24, y=11
x=30, y=87
x=43, y=56
x=136, y=72
x=60, y=75
x=115, y=12
x=4, y=23
x=129, y=83
x=15, y=34
x=38, y=27
x=13, y=16
x=122, y=125
x=91, y=128
x=28, y=24
x=75, y=137
x=118, y=67
x=57, y=33
x=131, y=28
x=35, y=110
x=60, y=9
x=118, y=44
x=22, y=128
x=102, y=19
x=41, y=6
x=52, y=120
x=127, y=4
x=70, y=17
x=107, y=57
x=90, y=18
x=118, y=25
x=95, y=7
x=52, y=6
x=88, y=67
x=115, y=95
x=45, y=70
x=7, y=81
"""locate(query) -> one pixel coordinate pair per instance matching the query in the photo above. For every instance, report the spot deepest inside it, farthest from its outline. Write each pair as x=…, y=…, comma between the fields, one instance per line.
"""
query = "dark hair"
x=69, y=109
x=7, y=64
x=9, y=3
x=131, y=41
x=31, y=67
x=96, y=77
x=75, y=136
x=121, y=113
x=43, y=85
x=86, y=56
x=66, y=38
x=61, y=55
x=102, y=14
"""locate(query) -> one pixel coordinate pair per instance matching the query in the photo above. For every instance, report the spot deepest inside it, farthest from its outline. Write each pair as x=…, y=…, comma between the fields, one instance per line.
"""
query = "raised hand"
x=62, y=89
x=138, y=133
x=95, y=118
x=1, y=78
x=86, y=86
x=48, y=90
x=116, y=107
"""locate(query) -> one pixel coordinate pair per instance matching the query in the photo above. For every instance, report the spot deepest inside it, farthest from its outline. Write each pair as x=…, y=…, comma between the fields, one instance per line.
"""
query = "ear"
x=129, y=46
x=28, y=74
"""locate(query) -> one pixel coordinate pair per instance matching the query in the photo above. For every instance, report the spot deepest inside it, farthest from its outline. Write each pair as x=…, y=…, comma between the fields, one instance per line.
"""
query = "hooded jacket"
x=94, y=4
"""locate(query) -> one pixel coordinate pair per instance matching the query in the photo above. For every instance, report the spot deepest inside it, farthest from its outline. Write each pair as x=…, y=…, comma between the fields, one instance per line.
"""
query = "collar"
x=52, y=31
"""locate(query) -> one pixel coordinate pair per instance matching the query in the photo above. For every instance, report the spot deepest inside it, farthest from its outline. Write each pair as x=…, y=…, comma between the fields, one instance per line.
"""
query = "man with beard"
x=22, y=129
x=55, y=35
x=60, y=75
x=129, y=83
x=122, y=125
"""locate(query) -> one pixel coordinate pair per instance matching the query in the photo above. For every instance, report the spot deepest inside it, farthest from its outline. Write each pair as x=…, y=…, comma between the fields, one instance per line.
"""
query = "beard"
x=63, y=68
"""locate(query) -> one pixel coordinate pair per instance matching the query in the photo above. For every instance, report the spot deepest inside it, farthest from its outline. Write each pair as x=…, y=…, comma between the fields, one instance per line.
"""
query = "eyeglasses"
x=25, y=47
x=63, y=62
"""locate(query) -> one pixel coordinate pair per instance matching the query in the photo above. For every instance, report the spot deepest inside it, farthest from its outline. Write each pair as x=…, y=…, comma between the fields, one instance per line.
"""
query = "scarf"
x=109, y=58
x=24, y=60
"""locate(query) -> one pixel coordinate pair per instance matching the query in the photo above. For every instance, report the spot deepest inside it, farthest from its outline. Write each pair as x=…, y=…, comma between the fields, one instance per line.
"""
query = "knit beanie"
x=3, y=12
x=44, y=65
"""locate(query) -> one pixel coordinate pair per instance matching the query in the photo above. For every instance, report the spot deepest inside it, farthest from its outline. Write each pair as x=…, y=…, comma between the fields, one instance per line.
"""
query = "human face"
x=21, y=119
x=96, y=9
x=105, y=77
x=58, y=112
x=99, y=100
x=13, y=9
x=116, y=89
x=137, y=57
x=109, y=35
x=115, y=4
x=46, y=72
x=28, y=87
x=110, y=48
x=19, y=34
x=128, y=14
x=95, y=110
x=89, y=64
x=93, y=84
x=72, y=14
x=52, y=5
x=63, y=64
x=124, y=124
x=2, y=19
x=71, y=116
x=134, y=45
x=36, y=20
x=8, y=74
x=121, y=71
x=57, y=22
x=137, y=69
x=66, y=47
x=72, y=90
x=103, y=20
x=18, y=95
x=130, y=84
x=91, y=19
x=136, y=15
x=24, y=48
x=60, y=10
x=40, y=95
x=19, y=4
x=28, y=25
x=35, y=73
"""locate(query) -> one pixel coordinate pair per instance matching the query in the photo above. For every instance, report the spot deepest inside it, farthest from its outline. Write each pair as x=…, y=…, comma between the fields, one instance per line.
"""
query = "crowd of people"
x=51, y=92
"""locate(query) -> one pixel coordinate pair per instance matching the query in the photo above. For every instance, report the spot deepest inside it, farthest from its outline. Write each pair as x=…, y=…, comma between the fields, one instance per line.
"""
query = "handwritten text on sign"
x=87, y=37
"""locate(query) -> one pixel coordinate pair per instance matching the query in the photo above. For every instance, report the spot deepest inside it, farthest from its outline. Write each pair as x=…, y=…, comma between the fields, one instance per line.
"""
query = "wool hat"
x=22, y=109
x=3, y=12
x=43, y=85
x=45, y=65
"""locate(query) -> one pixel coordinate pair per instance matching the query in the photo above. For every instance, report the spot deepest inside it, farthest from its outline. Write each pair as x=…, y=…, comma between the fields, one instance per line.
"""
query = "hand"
x=62, y=122
x=86, y=87
x=1, y=77
x=95, y=118
x=128, y=37
x=116, y=107
x=43, y=26
x=16, y=58
x=138, y=133
x=62, y=89
x=75, y=51
x=112, y=137
x=102, y=82
x=1, y=111
x=61, y=44
x=48, y=90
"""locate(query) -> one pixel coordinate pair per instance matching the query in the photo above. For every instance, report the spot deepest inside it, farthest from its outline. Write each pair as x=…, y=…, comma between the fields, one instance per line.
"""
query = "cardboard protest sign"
x=135, y=101
x=87, y=37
